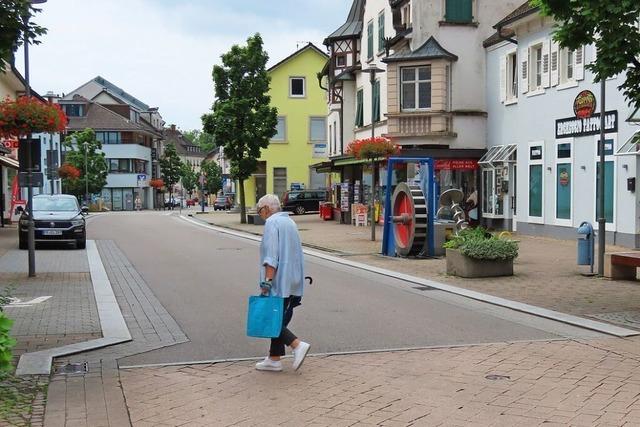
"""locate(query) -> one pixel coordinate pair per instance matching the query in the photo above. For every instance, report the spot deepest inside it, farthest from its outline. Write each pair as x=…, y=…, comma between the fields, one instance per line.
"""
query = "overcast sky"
x=162, y=51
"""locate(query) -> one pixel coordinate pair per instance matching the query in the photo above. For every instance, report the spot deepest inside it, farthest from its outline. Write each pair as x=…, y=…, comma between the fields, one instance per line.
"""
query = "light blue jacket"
x=281, y=249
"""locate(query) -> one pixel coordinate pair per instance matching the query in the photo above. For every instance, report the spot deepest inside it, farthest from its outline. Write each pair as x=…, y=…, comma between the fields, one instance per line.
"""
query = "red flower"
x=378, y=147
x=156, y=183
x=24, y=116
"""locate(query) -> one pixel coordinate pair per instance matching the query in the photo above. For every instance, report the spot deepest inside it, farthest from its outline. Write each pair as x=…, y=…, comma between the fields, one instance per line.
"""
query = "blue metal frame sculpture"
x=427, y=183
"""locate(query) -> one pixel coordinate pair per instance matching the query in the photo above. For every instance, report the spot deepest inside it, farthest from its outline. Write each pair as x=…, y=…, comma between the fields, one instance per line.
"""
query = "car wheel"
x=299, y=210
x=81, y=244
x=22, y=243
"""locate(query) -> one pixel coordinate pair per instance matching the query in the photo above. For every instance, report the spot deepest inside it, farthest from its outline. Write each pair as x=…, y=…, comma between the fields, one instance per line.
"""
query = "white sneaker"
x=299, y=353
x=269, y=365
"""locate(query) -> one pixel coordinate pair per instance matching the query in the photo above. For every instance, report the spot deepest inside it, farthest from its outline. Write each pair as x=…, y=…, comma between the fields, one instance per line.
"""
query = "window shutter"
x=555, y=69
x=458, y=11
x=376, y=101
x=524, y=70
x=545, y=63
x=503, y=78
x=579, y=63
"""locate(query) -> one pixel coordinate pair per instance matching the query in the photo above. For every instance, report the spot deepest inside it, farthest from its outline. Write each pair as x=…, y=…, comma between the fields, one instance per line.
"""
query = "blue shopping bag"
x=264, y=316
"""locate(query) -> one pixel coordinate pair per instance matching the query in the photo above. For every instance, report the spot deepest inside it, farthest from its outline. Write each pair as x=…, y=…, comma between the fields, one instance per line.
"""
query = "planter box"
x=463, y=266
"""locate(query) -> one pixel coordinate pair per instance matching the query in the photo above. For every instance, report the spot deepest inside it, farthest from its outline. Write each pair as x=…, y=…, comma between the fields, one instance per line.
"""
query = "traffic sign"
x=37, y=179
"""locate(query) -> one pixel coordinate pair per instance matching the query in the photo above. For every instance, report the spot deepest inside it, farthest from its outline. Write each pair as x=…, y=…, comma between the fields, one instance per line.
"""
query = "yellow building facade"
x=302, y=130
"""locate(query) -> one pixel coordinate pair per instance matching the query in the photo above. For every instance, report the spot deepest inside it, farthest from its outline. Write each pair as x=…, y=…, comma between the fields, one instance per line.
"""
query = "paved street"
x=203, y=278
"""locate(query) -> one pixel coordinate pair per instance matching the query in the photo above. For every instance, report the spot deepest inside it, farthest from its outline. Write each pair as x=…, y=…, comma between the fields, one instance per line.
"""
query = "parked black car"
x=301, y=201
x=57, y=218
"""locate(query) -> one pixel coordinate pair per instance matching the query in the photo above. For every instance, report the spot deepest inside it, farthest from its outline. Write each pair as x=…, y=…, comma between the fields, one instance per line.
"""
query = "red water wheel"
x=409, y=219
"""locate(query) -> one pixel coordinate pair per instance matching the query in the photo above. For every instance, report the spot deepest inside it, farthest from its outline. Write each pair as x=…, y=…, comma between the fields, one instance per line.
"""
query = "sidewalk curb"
x=502, y=302
x=112, y=323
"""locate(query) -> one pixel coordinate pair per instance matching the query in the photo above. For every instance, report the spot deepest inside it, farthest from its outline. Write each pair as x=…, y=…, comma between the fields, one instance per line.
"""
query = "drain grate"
x=424, y=288
x=630, y=319
x=496, y=377
x=73, y=368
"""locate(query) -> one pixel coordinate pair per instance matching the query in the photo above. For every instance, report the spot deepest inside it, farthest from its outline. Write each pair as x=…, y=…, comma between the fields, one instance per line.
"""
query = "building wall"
x=130, y=180
x=296, y=152
x=532, y=119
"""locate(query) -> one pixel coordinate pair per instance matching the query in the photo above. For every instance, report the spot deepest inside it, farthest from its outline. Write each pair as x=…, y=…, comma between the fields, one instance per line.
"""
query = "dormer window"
x=74, y=110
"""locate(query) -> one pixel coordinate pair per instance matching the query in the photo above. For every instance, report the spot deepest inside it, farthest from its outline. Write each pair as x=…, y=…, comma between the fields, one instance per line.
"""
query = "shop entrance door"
x=514, y=191
x=261, y=186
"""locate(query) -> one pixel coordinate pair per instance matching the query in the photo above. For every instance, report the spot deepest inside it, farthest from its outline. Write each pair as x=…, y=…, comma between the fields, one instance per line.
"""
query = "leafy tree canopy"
x=13, y=30
x=611, y=25
x=171, y=167
x=94, y=168
x=213, y=173
x=189, y=178
x=242, y=119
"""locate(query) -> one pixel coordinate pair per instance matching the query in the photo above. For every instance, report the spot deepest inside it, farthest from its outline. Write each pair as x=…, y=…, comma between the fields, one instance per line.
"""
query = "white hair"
x=271, y=201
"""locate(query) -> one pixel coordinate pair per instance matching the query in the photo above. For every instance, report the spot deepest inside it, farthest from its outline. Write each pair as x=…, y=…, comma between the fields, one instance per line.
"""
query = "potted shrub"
x=26, y=115
x=476, y=253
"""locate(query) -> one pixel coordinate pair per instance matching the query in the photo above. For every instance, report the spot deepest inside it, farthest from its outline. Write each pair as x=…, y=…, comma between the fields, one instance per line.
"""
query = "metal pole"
x=372, y=80
x=601, y=218
x=202, y=192
x=31, y=243
x=86, y=173
x=51, y=158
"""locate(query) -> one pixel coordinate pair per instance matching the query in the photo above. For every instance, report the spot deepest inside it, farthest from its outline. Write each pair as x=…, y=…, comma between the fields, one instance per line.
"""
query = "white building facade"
x=539, y=175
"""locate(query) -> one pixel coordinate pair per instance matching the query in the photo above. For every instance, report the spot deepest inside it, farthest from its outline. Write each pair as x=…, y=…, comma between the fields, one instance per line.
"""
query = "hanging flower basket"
x=372, y=148
x=156, y=183
x=24, y=116
x=68, y=171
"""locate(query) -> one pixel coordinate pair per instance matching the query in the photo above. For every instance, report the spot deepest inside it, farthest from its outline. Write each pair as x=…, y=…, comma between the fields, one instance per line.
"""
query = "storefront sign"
x=143, y=180
x=456, y=164
x=573, y=126
x=584, y=105
x=319, y=151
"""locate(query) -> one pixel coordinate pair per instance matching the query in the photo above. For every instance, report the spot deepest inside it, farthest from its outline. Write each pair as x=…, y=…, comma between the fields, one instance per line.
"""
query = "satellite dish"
x=452, y=196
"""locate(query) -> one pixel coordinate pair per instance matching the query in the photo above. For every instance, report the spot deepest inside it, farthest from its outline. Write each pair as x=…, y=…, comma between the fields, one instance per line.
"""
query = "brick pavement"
x=546, y=274
x=539, y=383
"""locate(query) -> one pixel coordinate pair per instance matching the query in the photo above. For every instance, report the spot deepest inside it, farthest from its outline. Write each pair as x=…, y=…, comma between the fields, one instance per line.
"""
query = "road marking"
x=17, y=302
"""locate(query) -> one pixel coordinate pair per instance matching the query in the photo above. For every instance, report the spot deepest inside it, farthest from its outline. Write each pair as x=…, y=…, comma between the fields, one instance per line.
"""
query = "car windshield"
x=55, y=204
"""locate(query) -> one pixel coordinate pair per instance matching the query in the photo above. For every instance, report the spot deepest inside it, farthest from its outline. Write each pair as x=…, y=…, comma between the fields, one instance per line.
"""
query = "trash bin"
x=585, y=244
x=326, y=211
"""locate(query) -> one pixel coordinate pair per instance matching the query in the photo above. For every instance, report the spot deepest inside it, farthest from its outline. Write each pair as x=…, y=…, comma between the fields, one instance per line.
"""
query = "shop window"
x=609, y=185
x=564, y=182
x=359, y=109
x=297, y=87
x=416, y=88
x=370, y=40
x=458, y=11
x=281, y=130
x=381, y=41
x=536, y=183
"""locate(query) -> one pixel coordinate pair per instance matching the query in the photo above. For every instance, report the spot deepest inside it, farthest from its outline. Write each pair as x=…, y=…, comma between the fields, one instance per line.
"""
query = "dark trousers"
x=286, y=336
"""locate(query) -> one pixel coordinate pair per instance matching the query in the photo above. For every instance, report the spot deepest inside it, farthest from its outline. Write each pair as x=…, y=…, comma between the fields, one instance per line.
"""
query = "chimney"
x=52, y=97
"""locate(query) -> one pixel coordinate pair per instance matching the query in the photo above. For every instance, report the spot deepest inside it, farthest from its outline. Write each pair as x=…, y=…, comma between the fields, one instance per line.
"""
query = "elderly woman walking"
x=282, y=273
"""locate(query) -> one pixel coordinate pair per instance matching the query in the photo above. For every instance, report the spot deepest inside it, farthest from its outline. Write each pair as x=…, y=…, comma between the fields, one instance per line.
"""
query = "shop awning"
x=322, y=167
x=350, y=161
x=9, y=162
x=631, y=146
x=498, y=154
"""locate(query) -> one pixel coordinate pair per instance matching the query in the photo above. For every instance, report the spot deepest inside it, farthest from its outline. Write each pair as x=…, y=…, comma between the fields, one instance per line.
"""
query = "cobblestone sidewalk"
x=528, y=384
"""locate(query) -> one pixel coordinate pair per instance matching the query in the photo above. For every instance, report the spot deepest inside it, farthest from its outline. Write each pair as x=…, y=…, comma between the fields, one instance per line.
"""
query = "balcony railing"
x=431, y=123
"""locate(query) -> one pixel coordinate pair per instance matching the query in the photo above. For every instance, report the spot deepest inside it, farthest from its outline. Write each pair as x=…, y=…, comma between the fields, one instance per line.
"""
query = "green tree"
x=213, y=174
x=84, y=153
x=203, y=140
x=12, y=28
x=611, y=25
x=241, y=117
x=189, y=178
x=171, y=168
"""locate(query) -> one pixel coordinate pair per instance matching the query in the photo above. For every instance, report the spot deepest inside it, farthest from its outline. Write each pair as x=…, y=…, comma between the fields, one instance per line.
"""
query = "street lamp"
x=372, y=79
x=31, y=238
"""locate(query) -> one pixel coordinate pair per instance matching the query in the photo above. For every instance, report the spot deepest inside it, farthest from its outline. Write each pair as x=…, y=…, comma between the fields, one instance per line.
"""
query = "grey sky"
x=162, y=51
